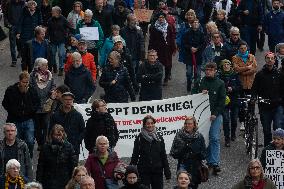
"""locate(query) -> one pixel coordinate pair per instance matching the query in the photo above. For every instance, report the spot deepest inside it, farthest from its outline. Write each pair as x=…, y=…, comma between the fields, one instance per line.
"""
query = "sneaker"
x=13, y=64
x=216, y=169
x=242, y=127
x=227, y=143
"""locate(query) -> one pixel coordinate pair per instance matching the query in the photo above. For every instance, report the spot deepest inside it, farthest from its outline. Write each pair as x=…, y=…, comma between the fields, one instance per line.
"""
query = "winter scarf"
x=244, y=56
x=162, y=27
x=42, y=77
x=150, y=136
x=18, y=181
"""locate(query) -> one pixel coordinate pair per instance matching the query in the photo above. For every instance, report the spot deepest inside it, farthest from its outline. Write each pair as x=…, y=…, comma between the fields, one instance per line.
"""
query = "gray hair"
x=31, y=2
x=115, y=27
x=38, y=30
x=12, y=163
x=39, y=62
x=99, y=138
x=9, y=125
x=57, y=9
x=31, y=185
x=76, y=55
x=88, y=12
x=85, y=179
x=234, y=29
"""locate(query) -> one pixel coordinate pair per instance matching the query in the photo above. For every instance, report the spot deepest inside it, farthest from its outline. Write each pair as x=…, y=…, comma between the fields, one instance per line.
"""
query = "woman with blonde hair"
x=189, y=149
x=255, y=178
x=78, y=174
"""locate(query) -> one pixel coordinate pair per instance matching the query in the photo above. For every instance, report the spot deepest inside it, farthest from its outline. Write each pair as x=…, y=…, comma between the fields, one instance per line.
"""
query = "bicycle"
x=251, y=124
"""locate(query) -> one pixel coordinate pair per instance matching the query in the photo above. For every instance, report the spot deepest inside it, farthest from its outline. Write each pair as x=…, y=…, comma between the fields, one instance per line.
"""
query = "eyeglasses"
x=235, y=34
x=216, y=37
x=255, y=168
x=269, y=58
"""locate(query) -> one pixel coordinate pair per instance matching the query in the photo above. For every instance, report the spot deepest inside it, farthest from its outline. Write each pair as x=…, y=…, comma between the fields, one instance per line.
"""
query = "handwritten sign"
x=275, y=167
x=143, y=15
x=89, y=33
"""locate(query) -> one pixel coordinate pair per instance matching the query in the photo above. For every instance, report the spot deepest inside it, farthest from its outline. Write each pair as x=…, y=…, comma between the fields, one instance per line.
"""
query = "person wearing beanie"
x=276, y=144
x=233, y=88
x=131, y=179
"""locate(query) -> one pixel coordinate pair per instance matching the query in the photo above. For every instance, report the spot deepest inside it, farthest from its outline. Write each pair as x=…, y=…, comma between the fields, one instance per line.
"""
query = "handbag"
x=109, y=182
x=204, y=172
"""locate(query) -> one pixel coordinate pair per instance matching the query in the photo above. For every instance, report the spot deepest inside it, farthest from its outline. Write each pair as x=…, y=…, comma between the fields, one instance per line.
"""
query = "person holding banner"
x=215, y=88
x=276, y=144
x=116, y=81
x=100, y=123
x=150, y=156
x=190, y=150
x=255, y=178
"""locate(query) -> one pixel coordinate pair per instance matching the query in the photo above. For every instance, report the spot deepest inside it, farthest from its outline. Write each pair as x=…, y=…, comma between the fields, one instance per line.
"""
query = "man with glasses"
x=215, y=51
x=232, y=44
x=266, y=85
x=215, y=88
x=13, y=148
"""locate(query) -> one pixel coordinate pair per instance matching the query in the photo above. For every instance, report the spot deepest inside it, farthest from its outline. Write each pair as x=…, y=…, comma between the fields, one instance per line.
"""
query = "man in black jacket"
x=71, y=120
x=266, y=85
x=150, y=75
x=134, y=40
x=21, y=103
x=57, y=30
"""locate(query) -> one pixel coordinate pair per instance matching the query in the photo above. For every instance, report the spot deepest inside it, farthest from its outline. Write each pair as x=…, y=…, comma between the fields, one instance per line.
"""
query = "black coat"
x=267, y=86
x=81, y=83
x=105, y=20
x=57, y=29
x=55, y=165
x=20, y=106
x=28, y=23
x=119, y=18
x=134, y=40
x=150, y=157
x=193, y=39
x=73, y=124
x=150, y=77
x=137, y=185
x=232, y=80
x=189, y=151
x=255, y=16
x=118, y=92
x=224, y=26
x=100, y=124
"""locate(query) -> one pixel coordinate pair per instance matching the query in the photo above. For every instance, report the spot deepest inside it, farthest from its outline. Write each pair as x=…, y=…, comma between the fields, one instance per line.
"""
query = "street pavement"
x=233, y=160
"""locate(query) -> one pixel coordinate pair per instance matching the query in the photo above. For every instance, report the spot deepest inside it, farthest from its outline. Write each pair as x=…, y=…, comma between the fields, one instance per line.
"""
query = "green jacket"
x=217, y=93
x=246, y=184
x=94, y=23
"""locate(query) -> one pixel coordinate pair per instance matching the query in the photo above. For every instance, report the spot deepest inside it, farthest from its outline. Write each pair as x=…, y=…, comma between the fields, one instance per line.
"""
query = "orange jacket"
x=88, y=62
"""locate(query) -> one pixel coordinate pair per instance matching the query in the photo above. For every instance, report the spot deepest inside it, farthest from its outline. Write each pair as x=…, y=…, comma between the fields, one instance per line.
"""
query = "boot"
x=60, y=72
x=55, y=68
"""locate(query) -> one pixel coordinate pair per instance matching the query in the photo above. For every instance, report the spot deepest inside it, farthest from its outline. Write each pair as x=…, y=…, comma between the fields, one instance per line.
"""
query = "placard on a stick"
x=143, y=15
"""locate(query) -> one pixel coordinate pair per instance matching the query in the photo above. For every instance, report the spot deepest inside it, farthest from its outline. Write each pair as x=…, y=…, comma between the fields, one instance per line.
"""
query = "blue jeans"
x=25, y=131
x=190, y=73
x=12, y=40
x=266, y=118
x=230, y=120
x=61, y=54
x=213, y=150
x=249, y=35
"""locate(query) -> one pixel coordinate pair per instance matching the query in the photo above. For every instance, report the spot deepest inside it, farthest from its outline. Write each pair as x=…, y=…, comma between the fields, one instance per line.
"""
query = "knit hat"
x=68, y=94
x=131, y=169
x=278, y=133
x=78, y=36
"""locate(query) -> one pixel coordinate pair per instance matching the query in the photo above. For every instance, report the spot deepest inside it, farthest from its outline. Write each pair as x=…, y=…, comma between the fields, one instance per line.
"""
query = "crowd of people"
x=217, y=39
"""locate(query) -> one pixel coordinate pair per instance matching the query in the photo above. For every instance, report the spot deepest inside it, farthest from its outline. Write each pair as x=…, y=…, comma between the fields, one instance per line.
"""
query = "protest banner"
x=275, y=167
x=89, y=33
x=143, y=15
x=169, y=114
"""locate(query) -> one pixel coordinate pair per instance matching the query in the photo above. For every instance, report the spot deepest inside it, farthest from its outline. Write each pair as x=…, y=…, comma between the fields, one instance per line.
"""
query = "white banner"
x=275, y=167
x=169, y=113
